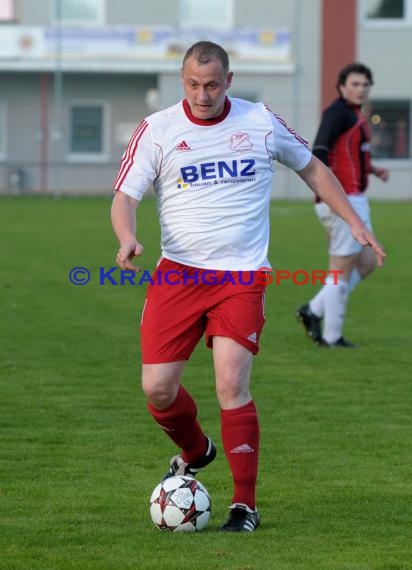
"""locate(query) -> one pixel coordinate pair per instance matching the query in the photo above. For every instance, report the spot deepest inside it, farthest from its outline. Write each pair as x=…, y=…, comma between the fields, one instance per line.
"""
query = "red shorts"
x=184, y=303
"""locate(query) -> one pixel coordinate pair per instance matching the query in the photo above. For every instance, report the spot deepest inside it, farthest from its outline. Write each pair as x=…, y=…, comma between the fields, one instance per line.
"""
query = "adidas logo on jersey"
x=183, y=146
x=252, y=337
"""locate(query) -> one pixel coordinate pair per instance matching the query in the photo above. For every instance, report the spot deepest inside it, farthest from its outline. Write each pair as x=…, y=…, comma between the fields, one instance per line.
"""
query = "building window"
x=213, y=14
x=7, y=10
x=391, y=129
x=386, y=12
x=78, y=12
x=386, y=9
x=87, y=130
x=3, y=130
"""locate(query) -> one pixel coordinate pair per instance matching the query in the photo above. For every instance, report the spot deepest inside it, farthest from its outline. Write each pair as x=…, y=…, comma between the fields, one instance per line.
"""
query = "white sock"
x=317, y=304
x=354, y=279
x=335, y=301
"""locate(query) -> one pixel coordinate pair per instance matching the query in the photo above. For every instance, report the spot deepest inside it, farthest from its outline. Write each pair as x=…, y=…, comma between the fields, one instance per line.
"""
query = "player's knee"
x=367, y=267
x=160, y=395
x=231, y=392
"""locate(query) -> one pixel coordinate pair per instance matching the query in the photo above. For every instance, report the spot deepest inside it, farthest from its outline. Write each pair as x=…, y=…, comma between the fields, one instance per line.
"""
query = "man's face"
x=356, y=88
x=205, y=87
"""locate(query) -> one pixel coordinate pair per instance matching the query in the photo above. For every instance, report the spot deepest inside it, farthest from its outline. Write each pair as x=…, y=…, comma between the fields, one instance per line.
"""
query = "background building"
x=77, y=76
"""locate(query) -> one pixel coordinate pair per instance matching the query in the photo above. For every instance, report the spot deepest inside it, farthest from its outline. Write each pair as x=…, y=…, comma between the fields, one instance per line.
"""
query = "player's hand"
x=365, y=237
x=382, y=173
x=127, y=252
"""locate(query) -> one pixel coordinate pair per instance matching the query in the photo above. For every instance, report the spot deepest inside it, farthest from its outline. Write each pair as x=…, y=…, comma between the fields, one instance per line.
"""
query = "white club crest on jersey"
x=239, y=142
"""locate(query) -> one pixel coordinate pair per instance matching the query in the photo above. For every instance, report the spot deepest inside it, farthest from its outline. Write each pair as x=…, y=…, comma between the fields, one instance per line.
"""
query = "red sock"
x=179, y=421
x=240, y=438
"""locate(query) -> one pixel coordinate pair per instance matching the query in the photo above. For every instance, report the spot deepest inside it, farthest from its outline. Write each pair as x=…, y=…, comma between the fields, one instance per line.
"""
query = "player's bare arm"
x=123, y=216
x=325, y=185
x=380, y=172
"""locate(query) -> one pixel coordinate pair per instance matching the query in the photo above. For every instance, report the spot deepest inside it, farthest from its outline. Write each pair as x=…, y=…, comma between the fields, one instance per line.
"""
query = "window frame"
x=386, y=102
x=198, y=24
x=89, y=156
x=386, y=23
x=3, y=129
x=101, y=16
x=12, y=4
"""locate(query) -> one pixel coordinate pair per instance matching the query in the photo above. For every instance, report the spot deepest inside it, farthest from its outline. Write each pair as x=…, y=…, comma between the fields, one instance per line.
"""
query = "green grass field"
x=79, y=454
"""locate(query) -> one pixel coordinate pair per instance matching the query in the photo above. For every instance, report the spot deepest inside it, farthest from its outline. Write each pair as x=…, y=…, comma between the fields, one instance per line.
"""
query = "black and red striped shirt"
x=343, y=143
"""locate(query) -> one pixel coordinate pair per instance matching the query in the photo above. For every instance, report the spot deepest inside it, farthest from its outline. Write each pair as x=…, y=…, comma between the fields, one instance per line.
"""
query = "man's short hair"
x=205, y=51
x=353, y=68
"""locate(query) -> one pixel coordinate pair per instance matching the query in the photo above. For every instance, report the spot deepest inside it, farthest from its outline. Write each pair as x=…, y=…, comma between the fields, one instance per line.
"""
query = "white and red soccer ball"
x=179, y=504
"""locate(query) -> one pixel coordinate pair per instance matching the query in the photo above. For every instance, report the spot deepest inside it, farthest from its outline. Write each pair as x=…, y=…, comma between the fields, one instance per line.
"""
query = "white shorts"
x=341, y=241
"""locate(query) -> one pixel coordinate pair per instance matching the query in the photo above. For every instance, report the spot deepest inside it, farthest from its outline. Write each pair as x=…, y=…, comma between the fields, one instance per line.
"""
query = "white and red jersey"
x=212, y=180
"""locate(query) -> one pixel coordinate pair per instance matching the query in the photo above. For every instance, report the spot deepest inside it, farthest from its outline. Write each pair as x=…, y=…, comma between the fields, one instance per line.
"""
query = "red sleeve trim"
x=128, y=156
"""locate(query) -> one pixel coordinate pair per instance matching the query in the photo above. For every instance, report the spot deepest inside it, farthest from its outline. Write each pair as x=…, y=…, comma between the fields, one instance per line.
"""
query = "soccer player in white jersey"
x=210, y=159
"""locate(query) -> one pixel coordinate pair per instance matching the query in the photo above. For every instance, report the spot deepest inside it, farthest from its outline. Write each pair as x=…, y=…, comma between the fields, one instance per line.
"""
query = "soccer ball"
x=180, y=503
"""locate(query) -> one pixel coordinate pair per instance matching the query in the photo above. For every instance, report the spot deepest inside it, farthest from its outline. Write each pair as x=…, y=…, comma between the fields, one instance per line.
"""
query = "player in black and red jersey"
x=343, y=144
